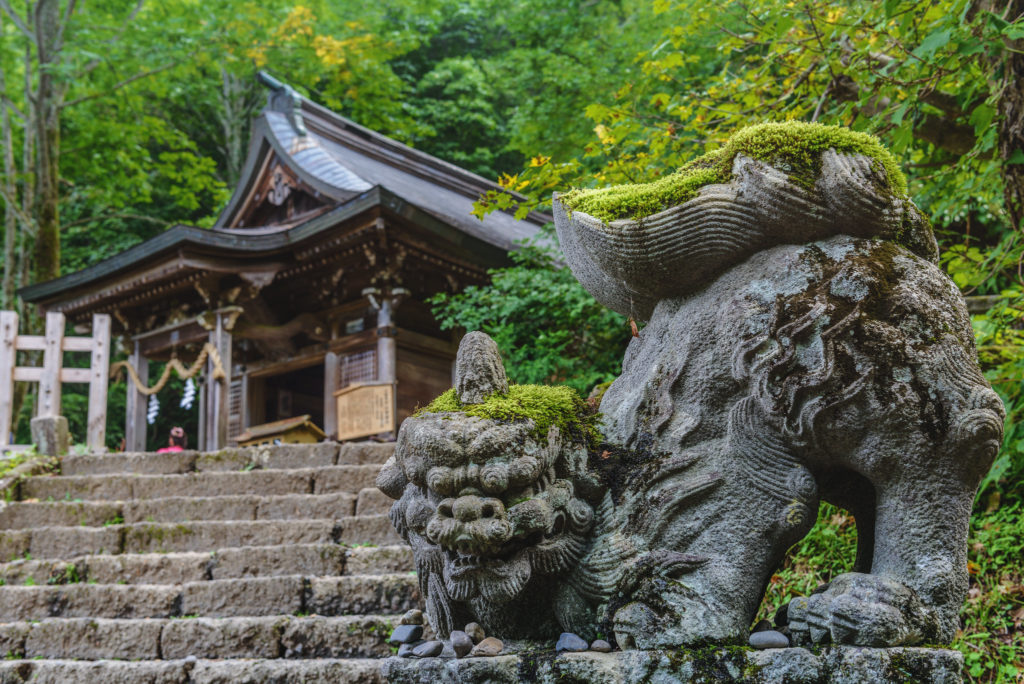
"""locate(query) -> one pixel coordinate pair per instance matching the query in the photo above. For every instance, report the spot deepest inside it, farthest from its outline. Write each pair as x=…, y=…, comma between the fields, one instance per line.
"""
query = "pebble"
x=570, y=642
x=461, y=643
x=406, y=634
x=428, y=649
x=769, y=639
x=405, y=650
x=601, y=646
x=475, y=632
x=412, y=617
x=486, y=648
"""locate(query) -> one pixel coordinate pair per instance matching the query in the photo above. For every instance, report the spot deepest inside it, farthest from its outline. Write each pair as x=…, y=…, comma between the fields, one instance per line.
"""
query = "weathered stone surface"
x=370, y=560
x=319, y=455
x=373, y=502
x=251, y=596
x=129, y=462
x=94, y=639
x=46, y=571
x=298, y=506
x=146, y=568
x=260, y=482
x=205, y=535
x=12, y=639
x=67, y=542
x=337, y=637
x=733, y=402
x=292, y=559
x=231, y=458
x=479, y=372
x=845, y=665
x=23, y=515
x=186, y=509
x=14, y=544
x=88, y=600
x=83, y=487
x=372, y=529
x=222, y=638
x=357, y=594
x=50, y=435
x=86, y=672
x=365, y=453
x=345, y=478
x=287, y=672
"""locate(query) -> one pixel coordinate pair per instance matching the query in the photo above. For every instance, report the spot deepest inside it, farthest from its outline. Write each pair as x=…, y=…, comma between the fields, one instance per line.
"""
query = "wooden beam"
x=53, y=359
x=332, y=371
x=8, y=357
x=35, y=374
x=135, y=406
x=99, y=369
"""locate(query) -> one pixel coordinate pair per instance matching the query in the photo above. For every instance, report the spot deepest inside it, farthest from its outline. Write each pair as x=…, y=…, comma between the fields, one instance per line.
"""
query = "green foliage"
x=793, y=145
x=545, y=405
x=990, y=636
x=548, y=328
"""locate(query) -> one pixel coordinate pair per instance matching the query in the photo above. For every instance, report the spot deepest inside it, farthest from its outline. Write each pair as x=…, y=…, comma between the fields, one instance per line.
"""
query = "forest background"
x=121, y=118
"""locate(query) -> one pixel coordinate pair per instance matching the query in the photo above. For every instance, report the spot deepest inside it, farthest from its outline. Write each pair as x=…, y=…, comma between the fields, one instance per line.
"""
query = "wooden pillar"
x=332, y=371
x=8, y=359
x=218, y=397
x=99, y=368
x=387, y=355
x=135, y=406
x=48, y=404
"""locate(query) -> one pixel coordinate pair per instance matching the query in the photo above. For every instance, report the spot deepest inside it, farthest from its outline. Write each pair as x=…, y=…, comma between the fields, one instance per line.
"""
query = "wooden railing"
x=52, y=374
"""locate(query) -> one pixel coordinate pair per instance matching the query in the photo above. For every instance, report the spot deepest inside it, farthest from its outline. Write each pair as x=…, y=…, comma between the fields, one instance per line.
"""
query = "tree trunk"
x=10, y=198
x=48, y=96
x=1011, y=124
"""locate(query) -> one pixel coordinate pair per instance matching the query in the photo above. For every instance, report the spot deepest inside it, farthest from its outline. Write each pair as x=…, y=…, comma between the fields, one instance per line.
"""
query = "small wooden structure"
x=52, y=374
x=297, y=430
x=314, y=278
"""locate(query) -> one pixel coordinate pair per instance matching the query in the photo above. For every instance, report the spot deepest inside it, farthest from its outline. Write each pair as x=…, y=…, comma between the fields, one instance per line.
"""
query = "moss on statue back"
x=543, y=404
x=793, y=146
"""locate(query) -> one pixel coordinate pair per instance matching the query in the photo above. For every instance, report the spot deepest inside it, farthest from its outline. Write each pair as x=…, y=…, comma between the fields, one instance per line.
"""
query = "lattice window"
x=360, y=367
x=236, y=409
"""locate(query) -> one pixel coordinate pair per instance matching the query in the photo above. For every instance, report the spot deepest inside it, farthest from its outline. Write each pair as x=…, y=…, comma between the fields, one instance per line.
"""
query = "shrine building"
x=312, y=284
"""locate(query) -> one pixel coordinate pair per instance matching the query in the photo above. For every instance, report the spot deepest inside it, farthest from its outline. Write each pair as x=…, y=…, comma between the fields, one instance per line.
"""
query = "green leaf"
x=934, y=41
x=1016, y=158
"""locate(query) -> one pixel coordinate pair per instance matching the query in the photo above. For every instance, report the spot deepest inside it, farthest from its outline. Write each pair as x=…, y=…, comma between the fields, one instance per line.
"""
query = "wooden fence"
x=52, y=374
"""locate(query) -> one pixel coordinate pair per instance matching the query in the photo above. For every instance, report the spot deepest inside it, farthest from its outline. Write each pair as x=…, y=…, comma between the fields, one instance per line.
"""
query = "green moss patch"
x=793, y=146
x=544, y=405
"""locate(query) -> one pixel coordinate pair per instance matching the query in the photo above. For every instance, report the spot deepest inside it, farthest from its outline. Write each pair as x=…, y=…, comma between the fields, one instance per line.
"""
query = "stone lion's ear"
x=479, y=372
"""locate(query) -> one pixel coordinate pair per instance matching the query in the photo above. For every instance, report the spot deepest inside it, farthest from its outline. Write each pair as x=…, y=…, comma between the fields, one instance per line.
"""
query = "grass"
x=991, y=635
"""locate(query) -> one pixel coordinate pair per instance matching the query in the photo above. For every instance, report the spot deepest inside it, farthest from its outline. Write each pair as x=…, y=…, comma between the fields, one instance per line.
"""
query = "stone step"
x=239, y=597
x=283, y=457
x=204, y=535
x=113, y=487
x=372, y=501
x=194, y=566
x=312, y=671
x=277, y=636
x=27, y=514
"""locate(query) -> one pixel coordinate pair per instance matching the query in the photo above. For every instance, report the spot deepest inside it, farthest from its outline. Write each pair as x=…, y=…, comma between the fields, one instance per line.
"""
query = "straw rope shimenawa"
x=209, y=350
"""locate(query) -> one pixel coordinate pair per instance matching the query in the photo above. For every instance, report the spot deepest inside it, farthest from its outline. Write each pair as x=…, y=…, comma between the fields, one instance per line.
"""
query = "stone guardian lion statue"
x=801, y=346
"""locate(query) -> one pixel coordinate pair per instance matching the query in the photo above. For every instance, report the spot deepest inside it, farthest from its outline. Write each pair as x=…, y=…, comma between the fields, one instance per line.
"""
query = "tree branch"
x=5, y=5
x=120, y=84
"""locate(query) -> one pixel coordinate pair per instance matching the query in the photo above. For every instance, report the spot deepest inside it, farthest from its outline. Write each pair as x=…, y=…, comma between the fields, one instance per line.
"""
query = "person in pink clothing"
x=176, y=442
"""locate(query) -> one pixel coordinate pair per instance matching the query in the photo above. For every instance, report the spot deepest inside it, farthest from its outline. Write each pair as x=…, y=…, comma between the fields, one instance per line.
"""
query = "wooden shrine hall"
x=311, y=286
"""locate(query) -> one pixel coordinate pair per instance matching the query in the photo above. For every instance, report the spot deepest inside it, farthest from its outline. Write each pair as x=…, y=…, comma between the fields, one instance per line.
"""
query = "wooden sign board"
x=365, y=409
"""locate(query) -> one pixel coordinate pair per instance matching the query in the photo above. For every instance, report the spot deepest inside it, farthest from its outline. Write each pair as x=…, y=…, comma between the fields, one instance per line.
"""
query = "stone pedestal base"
x=50, y=435
x=839, y=665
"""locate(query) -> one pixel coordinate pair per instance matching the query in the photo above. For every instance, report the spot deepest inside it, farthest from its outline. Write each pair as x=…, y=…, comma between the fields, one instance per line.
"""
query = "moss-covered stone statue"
x=801, y=345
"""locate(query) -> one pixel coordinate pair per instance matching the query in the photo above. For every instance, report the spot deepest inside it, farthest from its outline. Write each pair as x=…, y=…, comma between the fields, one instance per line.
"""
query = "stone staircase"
x=270, y=564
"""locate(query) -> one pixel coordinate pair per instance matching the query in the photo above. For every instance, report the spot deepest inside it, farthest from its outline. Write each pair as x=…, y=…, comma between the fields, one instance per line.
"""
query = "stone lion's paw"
x=862, y=610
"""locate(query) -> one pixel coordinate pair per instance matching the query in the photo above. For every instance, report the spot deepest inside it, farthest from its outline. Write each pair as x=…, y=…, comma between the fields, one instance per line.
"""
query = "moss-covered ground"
x=793, y=146
x=992, y=620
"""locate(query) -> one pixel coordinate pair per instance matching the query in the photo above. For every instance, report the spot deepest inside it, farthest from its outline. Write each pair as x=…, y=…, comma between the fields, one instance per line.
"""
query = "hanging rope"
x=177, y=366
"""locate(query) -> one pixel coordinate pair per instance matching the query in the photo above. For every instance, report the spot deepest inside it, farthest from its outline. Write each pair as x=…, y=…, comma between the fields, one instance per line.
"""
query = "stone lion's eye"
x=494, y=479
x=441, y=480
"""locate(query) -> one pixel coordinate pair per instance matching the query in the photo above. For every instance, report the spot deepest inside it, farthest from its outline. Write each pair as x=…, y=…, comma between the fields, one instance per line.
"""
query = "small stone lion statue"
x=801, y=346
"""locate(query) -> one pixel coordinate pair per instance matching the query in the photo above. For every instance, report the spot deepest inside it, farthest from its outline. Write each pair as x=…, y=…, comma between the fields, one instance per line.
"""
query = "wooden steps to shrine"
x=254, y=565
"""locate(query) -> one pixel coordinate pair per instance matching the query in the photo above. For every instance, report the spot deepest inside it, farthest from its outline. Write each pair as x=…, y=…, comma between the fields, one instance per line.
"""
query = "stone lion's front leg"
x=862, y=610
